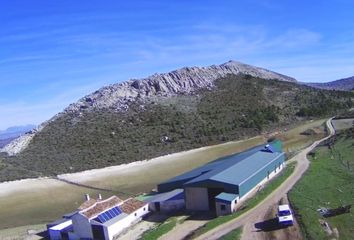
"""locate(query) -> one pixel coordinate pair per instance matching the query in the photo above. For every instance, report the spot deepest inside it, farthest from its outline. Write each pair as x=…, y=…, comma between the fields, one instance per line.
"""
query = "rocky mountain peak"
x=186, y=80
x=116, y=97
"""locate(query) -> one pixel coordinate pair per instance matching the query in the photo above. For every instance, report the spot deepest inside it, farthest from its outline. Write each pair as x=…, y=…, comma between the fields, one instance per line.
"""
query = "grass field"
x=295, y=141
x=233, y=235
x=40, y=205
x=341, y=124
x=328, y=183
x=50, y=201
x=160, y=230
x=143, y=180
x=20, y=233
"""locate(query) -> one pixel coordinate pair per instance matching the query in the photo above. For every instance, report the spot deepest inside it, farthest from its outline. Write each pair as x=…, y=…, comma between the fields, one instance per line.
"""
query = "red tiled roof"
x=100, y=206
x=131, y=205
x=87, y=204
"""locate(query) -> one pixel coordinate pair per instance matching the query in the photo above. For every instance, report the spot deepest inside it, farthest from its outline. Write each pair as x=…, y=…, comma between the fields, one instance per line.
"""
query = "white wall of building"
x=229, y=207
x=119, y=226
x=82, y=226
x=196, y=199
x=54, y=234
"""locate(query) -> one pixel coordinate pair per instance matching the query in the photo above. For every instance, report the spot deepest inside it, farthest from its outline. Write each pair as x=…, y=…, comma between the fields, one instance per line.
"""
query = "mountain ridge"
x=118, y=96
x=181, y=81
x=344, y=84
x=237, y=107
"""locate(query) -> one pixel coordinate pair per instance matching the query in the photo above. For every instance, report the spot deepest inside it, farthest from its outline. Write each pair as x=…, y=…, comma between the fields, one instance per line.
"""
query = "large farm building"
x=221, y=184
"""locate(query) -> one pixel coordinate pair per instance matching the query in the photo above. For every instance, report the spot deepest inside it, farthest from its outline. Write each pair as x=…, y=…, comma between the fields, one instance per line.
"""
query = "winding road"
x=248, y=219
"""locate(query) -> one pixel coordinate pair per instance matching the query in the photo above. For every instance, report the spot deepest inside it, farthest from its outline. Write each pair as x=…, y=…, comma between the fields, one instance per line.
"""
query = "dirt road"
x=250, y=219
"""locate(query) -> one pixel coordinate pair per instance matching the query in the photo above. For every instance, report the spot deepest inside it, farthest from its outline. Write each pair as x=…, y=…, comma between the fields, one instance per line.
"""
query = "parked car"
x=285, y=216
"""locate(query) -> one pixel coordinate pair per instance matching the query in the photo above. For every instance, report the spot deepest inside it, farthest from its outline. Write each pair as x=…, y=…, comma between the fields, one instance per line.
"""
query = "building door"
x=157, y=206
x=212, y=193
x=98, y=232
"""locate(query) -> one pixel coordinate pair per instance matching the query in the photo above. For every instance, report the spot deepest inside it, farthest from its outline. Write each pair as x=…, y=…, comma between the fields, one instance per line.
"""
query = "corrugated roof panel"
x=229, y=197
x=206, y=171
x=231, y=169
x=166, y=196
x=240, y=172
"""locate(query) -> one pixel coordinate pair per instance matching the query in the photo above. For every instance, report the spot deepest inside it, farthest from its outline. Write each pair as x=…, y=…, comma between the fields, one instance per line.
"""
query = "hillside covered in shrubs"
x=238, y=106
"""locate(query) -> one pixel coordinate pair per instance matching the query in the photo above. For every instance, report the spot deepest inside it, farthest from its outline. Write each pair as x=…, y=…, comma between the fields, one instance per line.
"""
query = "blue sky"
x=54, y=52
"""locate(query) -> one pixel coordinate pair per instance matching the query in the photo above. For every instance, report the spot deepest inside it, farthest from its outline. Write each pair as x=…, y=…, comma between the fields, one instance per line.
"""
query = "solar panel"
x=100, y=219
x=107, y=215
x=117, y=209
x=113, y=214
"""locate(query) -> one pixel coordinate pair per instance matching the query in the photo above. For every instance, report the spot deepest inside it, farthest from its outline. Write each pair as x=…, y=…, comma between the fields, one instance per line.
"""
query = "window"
x=223, y=207
x=135, y=214
x=143, y=209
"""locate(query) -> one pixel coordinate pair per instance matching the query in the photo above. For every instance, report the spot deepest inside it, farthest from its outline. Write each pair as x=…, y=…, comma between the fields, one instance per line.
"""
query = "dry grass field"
x=341, y=124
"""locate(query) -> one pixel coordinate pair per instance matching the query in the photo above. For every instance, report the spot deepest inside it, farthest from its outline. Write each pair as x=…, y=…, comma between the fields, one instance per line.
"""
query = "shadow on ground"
x=269, y=225
x=43, y=235
x=159, y=217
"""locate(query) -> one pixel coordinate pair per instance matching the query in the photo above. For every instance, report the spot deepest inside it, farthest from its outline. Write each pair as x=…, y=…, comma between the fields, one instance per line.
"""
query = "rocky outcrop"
x=18, y=144
x=183, y=81
x=117, y=97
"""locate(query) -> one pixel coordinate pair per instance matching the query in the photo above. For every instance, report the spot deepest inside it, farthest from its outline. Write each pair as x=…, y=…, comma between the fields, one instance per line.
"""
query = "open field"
x=294, y=140
x=23, y=232
x=42, y=201
x=340, y=124
x=328, y=183
x=34, y=201
x=48, y=199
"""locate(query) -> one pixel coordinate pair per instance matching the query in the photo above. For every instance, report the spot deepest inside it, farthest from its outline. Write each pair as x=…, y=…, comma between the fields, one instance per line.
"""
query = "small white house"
x=225, y=203
x=102, y=219
x=59, y=229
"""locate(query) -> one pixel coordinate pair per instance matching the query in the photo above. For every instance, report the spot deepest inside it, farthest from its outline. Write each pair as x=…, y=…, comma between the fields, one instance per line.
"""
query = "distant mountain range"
x=345, y=84
x=11, y=133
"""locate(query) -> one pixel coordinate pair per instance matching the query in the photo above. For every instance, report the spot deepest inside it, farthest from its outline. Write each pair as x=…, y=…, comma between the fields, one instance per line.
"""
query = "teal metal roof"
x=243, y=170
x=233, y=169
x=228, y=197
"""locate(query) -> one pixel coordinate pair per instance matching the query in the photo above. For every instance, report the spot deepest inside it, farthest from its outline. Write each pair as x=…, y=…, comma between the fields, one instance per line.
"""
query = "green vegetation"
x=328, y=183
x=233, y=235
x=322, y=104
x=160, y=230
x=249, y=204
x=237, y=108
